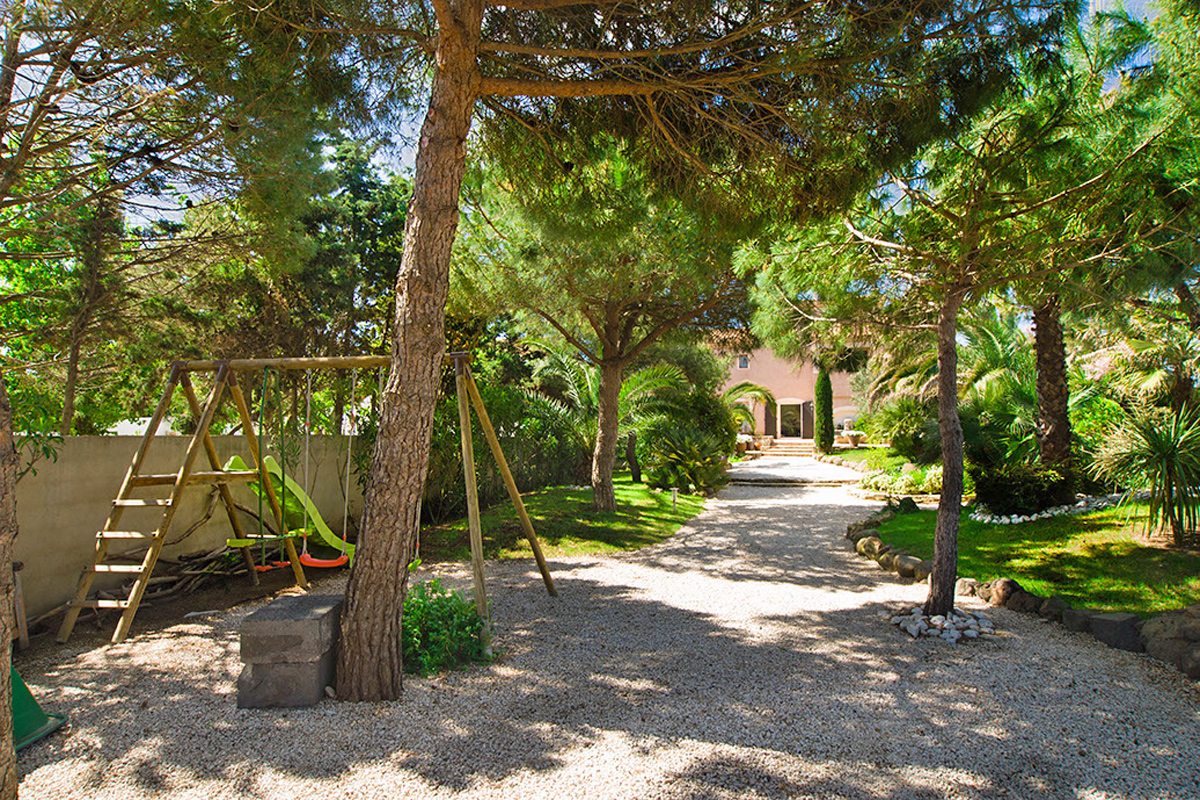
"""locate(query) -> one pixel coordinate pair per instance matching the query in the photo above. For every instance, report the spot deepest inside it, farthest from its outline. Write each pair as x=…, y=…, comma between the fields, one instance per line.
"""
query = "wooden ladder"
x=126, y=500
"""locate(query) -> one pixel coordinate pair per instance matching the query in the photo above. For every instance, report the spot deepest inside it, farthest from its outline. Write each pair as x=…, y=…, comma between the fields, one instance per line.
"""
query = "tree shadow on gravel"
x=818, y=703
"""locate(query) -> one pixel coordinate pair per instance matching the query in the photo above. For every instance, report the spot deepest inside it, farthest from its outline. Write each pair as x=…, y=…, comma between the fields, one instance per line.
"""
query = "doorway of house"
x=790, y=420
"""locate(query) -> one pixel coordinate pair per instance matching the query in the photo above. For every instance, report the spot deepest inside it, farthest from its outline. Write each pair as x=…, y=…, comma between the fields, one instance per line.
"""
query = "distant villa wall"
x=60, y=509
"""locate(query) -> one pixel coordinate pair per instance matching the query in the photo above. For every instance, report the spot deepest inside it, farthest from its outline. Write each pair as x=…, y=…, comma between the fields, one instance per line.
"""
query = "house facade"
x=792, y=383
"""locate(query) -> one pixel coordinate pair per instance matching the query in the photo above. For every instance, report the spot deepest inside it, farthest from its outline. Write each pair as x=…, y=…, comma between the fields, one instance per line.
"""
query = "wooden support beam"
x=473, y=525
x=510, y=483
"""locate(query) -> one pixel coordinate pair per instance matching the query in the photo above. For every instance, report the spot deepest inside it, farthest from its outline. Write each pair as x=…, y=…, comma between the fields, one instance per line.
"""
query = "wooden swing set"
x=226, y=384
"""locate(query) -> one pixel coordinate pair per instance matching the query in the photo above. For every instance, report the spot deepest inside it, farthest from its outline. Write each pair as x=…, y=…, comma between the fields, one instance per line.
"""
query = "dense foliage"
x=442, y=630
x=823, y=409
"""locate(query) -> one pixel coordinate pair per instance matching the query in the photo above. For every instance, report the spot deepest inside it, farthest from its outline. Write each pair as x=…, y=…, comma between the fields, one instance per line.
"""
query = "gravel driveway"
x=745, y=657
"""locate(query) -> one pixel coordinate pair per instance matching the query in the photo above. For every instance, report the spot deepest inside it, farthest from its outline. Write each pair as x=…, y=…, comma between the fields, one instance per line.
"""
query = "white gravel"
x=745, y=657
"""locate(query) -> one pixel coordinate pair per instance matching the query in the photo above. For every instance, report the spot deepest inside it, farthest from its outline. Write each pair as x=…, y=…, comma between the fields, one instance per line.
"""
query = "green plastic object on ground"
x=296, y=504
x=30, y=723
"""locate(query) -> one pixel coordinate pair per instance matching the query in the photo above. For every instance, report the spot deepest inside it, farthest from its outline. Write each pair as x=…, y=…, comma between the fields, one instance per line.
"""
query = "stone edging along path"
x=1173, y=636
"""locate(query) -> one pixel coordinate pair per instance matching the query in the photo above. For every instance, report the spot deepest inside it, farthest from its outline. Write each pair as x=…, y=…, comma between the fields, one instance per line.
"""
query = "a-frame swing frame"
x=225, y=383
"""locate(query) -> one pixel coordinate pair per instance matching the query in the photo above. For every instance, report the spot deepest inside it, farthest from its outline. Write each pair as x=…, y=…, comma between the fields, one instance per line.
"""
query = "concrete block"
x=294, y=629
x=286, y=685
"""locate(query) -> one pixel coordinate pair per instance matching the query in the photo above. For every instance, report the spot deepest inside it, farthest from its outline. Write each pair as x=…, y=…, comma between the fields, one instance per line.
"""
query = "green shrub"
x=441, y=629
x=823, y=396
x=1019, y=488
x=1159, y=451
x=909, y=424
x=687, y=460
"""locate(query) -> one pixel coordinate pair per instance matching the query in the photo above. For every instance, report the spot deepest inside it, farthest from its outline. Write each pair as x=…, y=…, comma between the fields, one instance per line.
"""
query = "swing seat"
x=256, y=540
x=324, y=563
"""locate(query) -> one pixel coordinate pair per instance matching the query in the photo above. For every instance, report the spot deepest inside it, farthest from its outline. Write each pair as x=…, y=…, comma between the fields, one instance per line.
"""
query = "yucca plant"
x=1160, y=451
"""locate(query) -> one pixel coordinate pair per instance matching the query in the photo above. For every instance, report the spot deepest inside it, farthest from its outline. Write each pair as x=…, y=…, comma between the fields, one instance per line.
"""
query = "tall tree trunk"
x=604, y=457
x=945, y=536
x=68, y=409
x=370, y=663
x=1053, y=392
x=8, y=533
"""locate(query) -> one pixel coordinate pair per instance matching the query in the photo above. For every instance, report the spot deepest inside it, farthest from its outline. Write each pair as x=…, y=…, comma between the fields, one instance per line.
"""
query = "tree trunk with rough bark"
x=1053, y=391
x=68, y=409
x=635, y=467
x=945, y=537
x=370, y=663
x=9, y=778
x=604, y=457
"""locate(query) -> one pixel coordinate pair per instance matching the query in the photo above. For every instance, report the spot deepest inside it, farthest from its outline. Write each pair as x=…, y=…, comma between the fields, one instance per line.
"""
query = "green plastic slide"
x=296, y=506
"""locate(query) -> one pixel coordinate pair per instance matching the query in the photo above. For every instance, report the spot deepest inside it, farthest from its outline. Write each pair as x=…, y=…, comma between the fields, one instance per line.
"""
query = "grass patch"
x=881, y=458
x=566, y=524
x=1100, y=561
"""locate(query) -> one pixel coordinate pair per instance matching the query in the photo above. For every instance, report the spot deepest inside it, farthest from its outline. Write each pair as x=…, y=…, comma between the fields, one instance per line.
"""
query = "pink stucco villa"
x=792, y=384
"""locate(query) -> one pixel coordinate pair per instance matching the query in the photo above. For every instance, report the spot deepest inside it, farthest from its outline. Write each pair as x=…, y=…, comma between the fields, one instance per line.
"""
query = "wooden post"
x=473, y=525
x=239, y=400
x=509, y=482
x=215, y=462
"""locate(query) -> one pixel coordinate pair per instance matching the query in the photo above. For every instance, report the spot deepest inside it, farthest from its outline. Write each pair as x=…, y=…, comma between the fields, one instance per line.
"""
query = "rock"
x=1053, y=608
x=1118, y=630
x=907, y=566
x=1025, y=602
x=984, y=591
x=293, y=629
x=924, y=571
x=868, y=546
x=907, y=506
x=859, y=534
x=1078, y=619
x=965, y=587
x=886, y=559
x=855, y=527
x=880, y=517
x=1002, y=589
x=1174, y=637
x=971, y=633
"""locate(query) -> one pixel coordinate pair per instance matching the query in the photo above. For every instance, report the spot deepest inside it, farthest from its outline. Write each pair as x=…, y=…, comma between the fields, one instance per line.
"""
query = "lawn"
x=1100, y=561
x=566, y=524
x=881, y=458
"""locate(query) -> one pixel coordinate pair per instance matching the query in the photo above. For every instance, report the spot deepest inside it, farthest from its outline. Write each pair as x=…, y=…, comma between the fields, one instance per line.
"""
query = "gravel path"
x=745, y=657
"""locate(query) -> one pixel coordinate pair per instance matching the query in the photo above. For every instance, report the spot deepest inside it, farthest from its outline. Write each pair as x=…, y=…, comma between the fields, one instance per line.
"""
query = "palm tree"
x=572, y=393
x=739, y=397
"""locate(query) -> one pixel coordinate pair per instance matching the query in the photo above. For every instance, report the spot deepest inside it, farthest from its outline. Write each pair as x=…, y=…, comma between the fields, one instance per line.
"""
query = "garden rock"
x=1174, y=637
x=1053, y=608
x=907, y=506
x=1000, y=590
x=1078, y=619
x=868, y=546
x=908, y=468
x=1119, y=630
x=1025, y=602
x=863, y=532
x=924, y=570
x=907, y=566
x=886, y=559
x=966, y=587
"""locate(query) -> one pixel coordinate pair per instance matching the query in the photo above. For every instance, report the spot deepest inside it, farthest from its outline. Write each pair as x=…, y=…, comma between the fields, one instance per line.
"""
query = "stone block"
x=867, y=546
x=1025, y=602
x=1053, y=608
x=293, y=629
x=1078, y=619
x=965, y=587
x=286, y=685
x=1118, y=630
x=1001, y=590
x=907, y=566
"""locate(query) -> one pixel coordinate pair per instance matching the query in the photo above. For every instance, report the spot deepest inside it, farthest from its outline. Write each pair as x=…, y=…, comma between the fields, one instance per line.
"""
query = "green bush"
x=688, y=460
x=1019, y=488
x=823, y=397
x=909, y=424
x=441, y=630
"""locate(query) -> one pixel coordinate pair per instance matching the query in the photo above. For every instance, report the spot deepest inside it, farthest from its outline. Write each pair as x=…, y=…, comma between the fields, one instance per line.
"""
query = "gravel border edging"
x=1172, y=637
